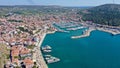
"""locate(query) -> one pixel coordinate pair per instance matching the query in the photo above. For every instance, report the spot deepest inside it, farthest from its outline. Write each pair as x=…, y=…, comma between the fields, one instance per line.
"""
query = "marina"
x=84, y=52
x=49, y=58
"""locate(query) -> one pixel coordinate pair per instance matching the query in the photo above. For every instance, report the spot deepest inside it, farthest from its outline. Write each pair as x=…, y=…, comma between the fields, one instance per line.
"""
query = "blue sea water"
x=99, y=50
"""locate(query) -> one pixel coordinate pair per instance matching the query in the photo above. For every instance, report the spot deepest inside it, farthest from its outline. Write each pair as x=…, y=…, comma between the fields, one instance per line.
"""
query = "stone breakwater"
x=85, y=34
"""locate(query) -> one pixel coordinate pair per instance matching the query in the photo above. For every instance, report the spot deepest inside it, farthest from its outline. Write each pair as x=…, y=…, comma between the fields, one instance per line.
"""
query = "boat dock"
x=49, y=58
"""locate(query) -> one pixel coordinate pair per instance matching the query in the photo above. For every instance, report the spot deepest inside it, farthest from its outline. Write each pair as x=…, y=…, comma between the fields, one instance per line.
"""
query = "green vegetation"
x=17, y=67
x=8, y=56
x=22, y=29
x=35, y=65
x=25, y=30
x=4, y=55
x=31, y=46
x=7, y=11
x=108, y=14
x=22, y=58
x=16, y=57
x=15, y=20
x=37, y=31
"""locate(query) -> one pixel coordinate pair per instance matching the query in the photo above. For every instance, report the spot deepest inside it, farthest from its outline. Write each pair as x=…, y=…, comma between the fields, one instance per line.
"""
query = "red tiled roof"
x=24, y=51
x=28, y=61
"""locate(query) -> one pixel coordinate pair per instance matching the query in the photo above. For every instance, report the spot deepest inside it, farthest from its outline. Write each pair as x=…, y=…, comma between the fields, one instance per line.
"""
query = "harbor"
x=88, y=51
x=48, y=58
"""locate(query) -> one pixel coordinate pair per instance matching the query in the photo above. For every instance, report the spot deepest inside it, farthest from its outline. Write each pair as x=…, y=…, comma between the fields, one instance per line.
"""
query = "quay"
x=38, y=54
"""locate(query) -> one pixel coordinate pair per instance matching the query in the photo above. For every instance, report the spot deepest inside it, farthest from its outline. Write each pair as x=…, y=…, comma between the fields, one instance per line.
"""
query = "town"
x=21, y=35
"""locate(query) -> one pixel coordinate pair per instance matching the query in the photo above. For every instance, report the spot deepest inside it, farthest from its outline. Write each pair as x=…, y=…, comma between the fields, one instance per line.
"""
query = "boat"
x=50, y=59
x=53, y=60
x=76, y=28
x=47, y=50
x=47, y=47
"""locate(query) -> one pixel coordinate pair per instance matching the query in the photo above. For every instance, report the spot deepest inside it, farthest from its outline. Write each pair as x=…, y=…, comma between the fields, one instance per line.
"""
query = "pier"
x=86, y=33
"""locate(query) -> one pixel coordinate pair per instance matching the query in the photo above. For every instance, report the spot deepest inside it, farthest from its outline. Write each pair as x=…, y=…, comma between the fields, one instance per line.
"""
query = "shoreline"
x=92, y=29
x=108, y=31
x=39, y=56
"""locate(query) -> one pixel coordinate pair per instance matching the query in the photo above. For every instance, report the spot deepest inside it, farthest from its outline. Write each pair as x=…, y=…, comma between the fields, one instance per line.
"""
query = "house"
x=25, y=52
x=28, y=62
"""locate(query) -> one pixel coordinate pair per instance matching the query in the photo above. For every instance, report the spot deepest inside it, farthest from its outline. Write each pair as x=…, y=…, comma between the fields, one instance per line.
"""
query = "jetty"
x=86, y=33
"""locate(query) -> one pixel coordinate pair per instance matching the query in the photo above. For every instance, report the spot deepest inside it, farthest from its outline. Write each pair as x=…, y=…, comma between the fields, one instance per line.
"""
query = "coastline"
x=92, y=29
x=109, y=31
x=39, y=57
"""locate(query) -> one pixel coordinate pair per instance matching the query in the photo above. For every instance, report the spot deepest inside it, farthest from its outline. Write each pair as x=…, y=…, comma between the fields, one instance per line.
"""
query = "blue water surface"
x=99, y=50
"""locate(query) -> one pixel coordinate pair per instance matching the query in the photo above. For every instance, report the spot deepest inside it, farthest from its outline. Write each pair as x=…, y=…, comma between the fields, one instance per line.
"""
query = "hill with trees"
x=107, y=14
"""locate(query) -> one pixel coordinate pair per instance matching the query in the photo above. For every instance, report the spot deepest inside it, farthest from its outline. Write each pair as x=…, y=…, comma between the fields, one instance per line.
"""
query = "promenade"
x=38, y=54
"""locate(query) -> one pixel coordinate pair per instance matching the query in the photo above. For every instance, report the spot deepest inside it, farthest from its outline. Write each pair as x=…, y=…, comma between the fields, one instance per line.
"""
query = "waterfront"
x=39, y=58
x=99, y=50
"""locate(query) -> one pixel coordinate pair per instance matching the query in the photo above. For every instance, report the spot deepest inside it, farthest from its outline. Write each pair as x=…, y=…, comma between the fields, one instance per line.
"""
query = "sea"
x=99, y=50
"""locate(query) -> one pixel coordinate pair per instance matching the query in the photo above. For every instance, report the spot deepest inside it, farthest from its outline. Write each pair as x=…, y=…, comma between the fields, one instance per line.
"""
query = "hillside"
x=108, y=14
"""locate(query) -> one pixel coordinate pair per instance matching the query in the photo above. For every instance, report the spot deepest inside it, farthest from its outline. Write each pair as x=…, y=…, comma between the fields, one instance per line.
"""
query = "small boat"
x=47, y=51
x=47, y=47
x=51, y=59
